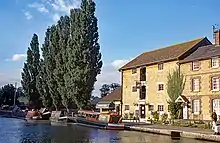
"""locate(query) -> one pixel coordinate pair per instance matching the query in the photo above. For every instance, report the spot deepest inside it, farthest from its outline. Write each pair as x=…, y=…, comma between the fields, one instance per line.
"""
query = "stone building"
x=144, y=79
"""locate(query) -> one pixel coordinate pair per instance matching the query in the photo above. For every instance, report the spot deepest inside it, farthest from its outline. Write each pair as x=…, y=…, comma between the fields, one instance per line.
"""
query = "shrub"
x=155, y=116
x=164, y=118
x=131, y=115
x=126, y=116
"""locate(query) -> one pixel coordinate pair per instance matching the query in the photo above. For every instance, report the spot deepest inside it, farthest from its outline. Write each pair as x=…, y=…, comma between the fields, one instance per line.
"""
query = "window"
x=134, y=88
x=195, y=84
x=126, y=107
x=134, y=71
x=214, y=63
x=215, y=83
x=195, y=65
x=196, y=106
x=160, y=66
x=160, y=87
x=160, y=107
x=216, y=105
x=151, y=108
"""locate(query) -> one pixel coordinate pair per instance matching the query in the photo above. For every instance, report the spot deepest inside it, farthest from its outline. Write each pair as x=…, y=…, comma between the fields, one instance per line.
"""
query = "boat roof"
x=88, y=112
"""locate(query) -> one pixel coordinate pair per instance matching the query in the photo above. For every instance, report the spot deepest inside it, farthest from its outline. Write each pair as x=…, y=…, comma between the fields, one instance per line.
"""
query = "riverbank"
x=175, y=132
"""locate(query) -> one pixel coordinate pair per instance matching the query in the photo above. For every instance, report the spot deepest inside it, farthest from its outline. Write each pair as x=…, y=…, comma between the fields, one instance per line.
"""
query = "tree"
x=30, y=72
x=84, y=55
x=114, y=86
x=105, y=90
x=42, y=86
x=63, y=28
x=7, y=95
x=50, y=50
x=175, y=86
x=108, y=88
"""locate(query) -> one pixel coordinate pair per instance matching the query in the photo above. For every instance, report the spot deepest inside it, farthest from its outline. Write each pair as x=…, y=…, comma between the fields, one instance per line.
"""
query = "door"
x=142, y=111
x=185, y=112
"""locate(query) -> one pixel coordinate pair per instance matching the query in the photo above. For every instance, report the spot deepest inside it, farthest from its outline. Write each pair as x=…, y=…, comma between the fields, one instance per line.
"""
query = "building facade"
x=144, y=80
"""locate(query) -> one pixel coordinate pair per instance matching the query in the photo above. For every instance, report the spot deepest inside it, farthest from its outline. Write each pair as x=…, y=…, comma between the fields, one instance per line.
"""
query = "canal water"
x=19, y=131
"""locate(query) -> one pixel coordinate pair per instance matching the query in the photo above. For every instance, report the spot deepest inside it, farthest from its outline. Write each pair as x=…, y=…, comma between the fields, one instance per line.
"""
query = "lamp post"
x=15, y=92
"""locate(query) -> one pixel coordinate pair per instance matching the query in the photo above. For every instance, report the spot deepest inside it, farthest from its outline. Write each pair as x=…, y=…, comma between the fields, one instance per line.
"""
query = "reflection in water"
x=18, y=131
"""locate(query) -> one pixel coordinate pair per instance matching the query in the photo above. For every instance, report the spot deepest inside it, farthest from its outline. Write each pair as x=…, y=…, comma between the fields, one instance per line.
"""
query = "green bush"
x=164, y=117
x=131, y=115
x=155, y=116
x=125, y=116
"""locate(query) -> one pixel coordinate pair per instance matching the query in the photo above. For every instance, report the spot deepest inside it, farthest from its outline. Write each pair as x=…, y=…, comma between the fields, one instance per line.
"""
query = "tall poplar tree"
x=84, y=45
x=42, y=86
x=50, y=50
x=30, y=72
x=61, y=58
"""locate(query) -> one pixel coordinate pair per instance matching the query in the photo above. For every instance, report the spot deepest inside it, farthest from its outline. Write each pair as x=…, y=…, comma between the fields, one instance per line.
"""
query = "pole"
x=15, y=92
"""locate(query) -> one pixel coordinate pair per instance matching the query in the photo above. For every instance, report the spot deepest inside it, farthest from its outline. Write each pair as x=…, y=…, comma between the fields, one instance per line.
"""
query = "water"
x=19, y=131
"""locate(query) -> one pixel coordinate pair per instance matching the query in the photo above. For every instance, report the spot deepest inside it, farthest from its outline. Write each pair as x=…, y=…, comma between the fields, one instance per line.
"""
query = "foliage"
x=131, y=115
x=86, y=61
x=63, y=28
x=108, y=88
x=155, y=115
x=66, y=74
x=175, y=86
x=125, y=116
x=164, y=117
x=30, y=72
x=50, y=49
x=7, y=95
x=42, y=86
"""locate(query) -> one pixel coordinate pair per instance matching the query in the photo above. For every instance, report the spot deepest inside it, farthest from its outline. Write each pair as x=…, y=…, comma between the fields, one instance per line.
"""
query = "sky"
x=126, y=29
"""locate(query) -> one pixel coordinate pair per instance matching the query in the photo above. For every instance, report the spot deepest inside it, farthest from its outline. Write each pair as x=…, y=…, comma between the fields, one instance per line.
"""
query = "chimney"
x=217, y=37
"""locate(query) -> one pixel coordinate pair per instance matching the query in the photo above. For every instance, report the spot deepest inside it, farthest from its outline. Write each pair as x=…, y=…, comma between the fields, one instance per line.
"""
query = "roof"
x=182, y=98
x=162, y=55
x=203, y=52
x=115, y=95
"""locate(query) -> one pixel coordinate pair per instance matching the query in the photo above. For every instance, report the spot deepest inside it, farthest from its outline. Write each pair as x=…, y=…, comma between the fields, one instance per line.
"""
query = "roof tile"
x=161, y=55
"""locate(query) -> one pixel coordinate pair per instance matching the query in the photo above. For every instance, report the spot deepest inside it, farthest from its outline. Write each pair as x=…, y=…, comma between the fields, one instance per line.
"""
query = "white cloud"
x=55, y=7
x=65, y=5
x=10, y=77
x=28, y=15
x=39, y=7
x=109, y=74
x=119, y=63
x=17, y=57
x=56, y=17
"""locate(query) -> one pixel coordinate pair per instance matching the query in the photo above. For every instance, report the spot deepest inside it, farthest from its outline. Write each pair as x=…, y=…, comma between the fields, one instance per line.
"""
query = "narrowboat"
x=12, y=112
x=110, y=121
x=42, y=114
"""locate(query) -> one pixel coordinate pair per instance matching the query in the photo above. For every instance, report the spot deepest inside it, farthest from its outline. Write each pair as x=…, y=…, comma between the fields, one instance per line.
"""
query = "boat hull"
x=99, y=124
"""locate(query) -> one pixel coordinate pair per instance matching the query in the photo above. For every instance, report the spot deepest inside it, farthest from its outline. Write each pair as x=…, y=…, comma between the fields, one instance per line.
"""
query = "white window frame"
x=160, y=83
x=215, y=86
x=196, y=106
x=159, y=109
x=149, y=109
x=160, y=66
x=128, y=107
x=216, y=106
x=195, y=84
x=215, y=62
x=195, y=67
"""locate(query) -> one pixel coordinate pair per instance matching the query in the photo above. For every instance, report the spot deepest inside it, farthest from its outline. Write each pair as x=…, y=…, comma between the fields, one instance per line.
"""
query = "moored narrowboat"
x=110, y=121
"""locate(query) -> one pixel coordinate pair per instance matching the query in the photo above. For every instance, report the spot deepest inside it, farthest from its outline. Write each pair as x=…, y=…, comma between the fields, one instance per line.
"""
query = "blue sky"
x=127, y=28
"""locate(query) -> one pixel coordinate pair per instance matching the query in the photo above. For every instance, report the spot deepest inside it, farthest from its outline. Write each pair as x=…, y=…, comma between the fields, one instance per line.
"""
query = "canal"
x=19, y=131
